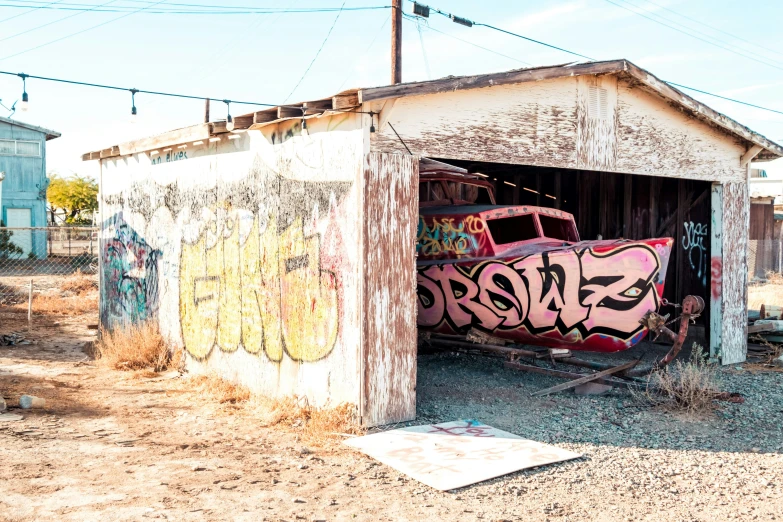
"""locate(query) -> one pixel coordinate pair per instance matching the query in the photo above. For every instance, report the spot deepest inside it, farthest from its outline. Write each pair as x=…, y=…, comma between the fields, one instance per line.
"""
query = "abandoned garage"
x=279, y=249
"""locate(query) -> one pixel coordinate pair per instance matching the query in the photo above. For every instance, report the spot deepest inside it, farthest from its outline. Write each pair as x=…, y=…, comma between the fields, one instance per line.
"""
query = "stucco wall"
x=247, y=253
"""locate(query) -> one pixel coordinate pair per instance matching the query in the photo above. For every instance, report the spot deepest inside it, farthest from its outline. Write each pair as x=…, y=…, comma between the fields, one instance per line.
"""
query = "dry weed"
x=78, y=284
x=221, y=390
x=684, y=386
x=136, y=347
x=312, y=425
x=767, y=293
x=49, y=304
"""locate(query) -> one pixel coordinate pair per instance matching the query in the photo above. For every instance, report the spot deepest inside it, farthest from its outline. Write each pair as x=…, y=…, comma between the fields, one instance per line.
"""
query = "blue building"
x=24, y=182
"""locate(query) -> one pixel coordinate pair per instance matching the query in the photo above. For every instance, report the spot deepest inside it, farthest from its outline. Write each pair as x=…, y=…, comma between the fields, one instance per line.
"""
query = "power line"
x=725, y=98
x=50, y=23
x=366, y=52
x=316, y=54
x=470, y=23
x=28, y=11
x=749, y=57
x=77, y=32
x=430, y=28
x=714, y=28
x=139, y=91
x=208, y=10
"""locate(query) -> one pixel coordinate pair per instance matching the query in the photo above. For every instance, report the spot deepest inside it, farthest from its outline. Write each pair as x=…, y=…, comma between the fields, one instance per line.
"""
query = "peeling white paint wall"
x=246, y=252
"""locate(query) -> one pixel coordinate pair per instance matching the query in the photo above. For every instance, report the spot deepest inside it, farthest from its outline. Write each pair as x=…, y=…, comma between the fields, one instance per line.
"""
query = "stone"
x=27, y=402
x=592, y=388
x=9, y=417
x=3, y=406
x=778, y=362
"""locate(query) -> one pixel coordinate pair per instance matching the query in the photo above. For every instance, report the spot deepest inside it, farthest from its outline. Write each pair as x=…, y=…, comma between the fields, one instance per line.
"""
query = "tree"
x=75, y=195
x=7, y=248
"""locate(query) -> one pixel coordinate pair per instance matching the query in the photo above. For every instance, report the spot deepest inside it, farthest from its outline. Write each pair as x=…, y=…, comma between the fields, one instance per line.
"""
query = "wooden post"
x=30, y=304
x=396, y=42
x=716, y=272
x=206, y=110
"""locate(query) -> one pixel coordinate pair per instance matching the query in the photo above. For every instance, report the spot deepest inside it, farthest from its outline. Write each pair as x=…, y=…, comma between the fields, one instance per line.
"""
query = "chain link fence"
x=765, y=257
x=52, y=270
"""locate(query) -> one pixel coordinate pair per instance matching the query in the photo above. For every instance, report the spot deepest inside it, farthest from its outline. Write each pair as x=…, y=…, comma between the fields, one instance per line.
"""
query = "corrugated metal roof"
x=50, y=134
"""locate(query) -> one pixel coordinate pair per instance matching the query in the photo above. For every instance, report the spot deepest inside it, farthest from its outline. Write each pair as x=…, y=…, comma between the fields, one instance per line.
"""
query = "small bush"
x=684, y=386
x=135, y=347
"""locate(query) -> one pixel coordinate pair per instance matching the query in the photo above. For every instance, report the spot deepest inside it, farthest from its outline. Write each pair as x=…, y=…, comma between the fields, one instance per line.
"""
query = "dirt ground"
x=115, y=446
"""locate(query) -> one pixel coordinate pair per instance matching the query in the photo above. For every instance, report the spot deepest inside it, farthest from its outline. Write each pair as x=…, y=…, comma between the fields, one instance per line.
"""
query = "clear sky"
x=261, y=57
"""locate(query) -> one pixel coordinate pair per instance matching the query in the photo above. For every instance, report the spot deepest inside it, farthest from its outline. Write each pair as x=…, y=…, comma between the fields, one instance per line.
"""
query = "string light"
x=133, y=105
x=229, y=119
x=25, y=105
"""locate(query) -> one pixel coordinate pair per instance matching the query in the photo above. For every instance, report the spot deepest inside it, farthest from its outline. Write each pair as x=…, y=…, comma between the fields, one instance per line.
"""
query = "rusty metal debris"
x=626, y=374
x=12, y=339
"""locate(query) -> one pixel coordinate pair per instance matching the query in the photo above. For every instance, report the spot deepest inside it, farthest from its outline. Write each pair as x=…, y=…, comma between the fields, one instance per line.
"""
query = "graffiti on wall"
x=693, y=244
x=260, y=263
x=571, y=291
x=130, y=274
x=450, y=237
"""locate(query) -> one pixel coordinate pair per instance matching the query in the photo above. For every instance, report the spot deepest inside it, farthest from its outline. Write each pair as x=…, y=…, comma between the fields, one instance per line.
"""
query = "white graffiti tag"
x=693, y=244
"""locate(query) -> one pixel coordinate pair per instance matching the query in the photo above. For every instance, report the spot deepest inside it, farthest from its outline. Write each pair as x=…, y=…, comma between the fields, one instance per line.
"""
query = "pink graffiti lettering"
x=591, y=292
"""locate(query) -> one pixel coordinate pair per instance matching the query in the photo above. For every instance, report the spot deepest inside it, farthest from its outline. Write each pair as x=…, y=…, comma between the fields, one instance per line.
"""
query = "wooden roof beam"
x=345, y=101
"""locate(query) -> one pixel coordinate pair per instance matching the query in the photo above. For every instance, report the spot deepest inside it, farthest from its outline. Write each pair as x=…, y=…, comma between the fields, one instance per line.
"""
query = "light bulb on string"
x=229, y=119
x=134, y=112
x=25, y=104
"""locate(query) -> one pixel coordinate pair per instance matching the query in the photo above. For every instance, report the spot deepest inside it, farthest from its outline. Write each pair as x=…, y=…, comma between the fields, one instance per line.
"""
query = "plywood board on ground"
x=456, y=454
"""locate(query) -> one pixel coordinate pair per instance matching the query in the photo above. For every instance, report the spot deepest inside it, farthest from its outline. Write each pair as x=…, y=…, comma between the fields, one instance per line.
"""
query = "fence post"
x=69, y=242
x=30, y=305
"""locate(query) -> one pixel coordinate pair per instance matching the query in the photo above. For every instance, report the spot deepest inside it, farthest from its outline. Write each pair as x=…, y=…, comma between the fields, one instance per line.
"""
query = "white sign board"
x=456, y=454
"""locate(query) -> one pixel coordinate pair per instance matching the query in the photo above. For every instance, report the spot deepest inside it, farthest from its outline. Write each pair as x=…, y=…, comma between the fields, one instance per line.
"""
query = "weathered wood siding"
x=716, y=271
x=733, y=273
x=533, y=124
x=389, y=292
x=657, y=139
x=550, y=123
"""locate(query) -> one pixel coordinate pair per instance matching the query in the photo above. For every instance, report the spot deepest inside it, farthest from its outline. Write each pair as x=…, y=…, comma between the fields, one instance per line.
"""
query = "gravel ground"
x=192, y=459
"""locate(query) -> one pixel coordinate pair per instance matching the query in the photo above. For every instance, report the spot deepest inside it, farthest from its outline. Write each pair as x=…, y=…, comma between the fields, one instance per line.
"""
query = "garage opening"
x=604, y=206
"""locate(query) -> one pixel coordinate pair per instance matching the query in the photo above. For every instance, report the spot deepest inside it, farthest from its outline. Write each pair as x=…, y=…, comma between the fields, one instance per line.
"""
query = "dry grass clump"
x=221, y=390
x=136, y=347
x=689, y=387
x=53, y=304
x=78, y=284
x=315, y=426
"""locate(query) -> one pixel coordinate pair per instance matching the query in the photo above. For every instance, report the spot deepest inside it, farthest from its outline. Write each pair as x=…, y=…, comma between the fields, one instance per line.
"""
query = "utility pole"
x=396, y=43
x=206, y=110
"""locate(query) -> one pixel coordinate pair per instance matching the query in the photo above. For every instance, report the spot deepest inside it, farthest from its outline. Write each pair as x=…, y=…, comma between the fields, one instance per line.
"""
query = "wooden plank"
x=752, y=153
x=168, y=139
x=389, y=220
x=716, y=272
x=345, y=101
x=585, y=379
x=289, y=112
x=627, y=201
x=317, y=106
x=264, y=116
x=682, y=201
x=386, y=112
x=762, y=327
x=487, y=80
x=734, y=272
